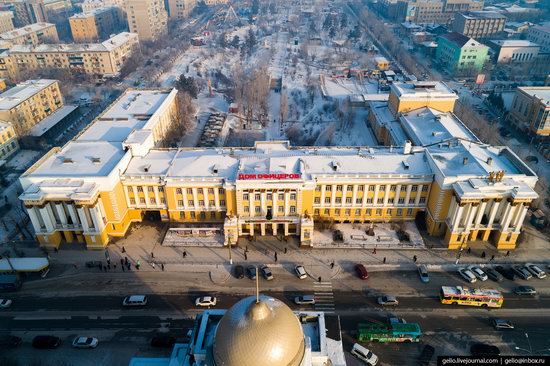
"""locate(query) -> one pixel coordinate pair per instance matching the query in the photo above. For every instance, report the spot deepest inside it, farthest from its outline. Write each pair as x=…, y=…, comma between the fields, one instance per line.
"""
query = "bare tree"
x=283, y=108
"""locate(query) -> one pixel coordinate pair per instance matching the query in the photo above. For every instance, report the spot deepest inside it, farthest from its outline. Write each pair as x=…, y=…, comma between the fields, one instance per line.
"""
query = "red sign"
x=269, y=176
x=480, y=79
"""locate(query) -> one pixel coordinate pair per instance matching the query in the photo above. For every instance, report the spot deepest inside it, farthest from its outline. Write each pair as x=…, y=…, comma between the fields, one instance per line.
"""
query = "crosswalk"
x=324, y=297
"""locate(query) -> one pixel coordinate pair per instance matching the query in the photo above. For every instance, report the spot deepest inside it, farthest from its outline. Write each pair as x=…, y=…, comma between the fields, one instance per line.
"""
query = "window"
x=393, y=188
x=401, y=201
x=399, y=212
x=378, y=212
x=360, y=188
x=211, y=203
x=222, y=191
x=327, y=199
x=180, y=202
x=338, y=199
x=328, y=188
x=161, y=189
x=348, y=199
x=409, y=211
x=212, y=215
x=424, y=188
x=257, y=197
x=422, y=200
x=348, y=212
x=201, y=203
x=414, y=188
x=140, y=189
x=191, y=203
x=281, y=197
x=382, y=187
x=142, y=200
x=203, y=215
x=317, y=200
x=130, y=190
x=391, y=200
x=380, y=201
x=293, y=196
x=318, y=188
x=200, y=191
x=152, y=201
x=359, y=200
x=369, y=200
x=327, y=211
x=292, y=209
x=189, y=190
x=132, y=201
x=372, y=188
x=245, y=196
x=281, y=209
x=389, y=211
x=162, y=201
x=358, y=212
x=210, y=190
x=269, y=196
x=337, y=212
x=150, y=189
x=350, y=188
x=182, y=215
x=246, y=209
x=411, y=201
x=316, y=212
x=257, y=209
x=338, y=188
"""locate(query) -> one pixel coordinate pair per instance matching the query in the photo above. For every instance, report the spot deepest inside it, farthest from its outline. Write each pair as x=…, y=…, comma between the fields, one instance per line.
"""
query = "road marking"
x=324, y=297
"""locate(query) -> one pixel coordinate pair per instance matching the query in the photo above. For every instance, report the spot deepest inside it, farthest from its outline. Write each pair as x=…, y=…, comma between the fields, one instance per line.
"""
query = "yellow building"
x=6, y=21
x=30, y=102
x=180, y=9
x=530, y=110
x=405, y=97
x=32, y=34
x=147, y=18
x=106, y=58
x=97, y=24
x=8, y=140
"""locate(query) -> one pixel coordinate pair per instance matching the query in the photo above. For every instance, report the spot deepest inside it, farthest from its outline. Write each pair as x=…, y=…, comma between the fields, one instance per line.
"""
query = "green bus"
x=376, y=332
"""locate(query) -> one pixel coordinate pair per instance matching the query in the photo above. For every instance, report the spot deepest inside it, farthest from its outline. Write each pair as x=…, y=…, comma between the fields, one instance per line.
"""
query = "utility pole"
x=229, y=248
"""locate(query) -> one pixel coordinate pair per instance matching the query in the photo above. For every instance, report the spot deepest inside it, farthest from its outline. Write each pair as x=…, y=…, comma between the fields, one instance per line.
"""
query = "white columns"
x=287, y=199
x=263, y=204
x=354, y=195
x=185, y=200
x=387, y=194
x=365, y=195
x=397, y=195
x=452, y=210
x=251, y=205
x=73, y=214
x=471, y=216
x=480, y=213
x=61, y=213
x=262, y=229
x=418, y=194
x=322, y=195
x=505, y=214
x=83, y=219
x=195, y=197
x=521, y=217
x=275, y=209
x=286, y=229
x=408, y=195
x=216, y=199
x=492, y=215
x=375, y=198
x=33, y=215
x=136, y=196
x=156, y=191
x=333, y=196
x=98, y=223
x=48, y=222
x=127, y=195
x=344, y=194
x=251, y=225
x=457, y=218
x=508, y=217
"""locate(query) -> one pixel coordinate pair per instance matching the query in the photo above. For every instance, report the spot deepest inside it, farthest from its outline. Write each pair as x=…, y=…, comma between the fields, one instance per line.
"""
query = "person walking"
x=332, y=265
x=245, y=256
x=56, y=250
x=138, y=264
x=162, y=266
x=492, y=258
x=285, y=250
x=319, y=278
x=374, y=250
x=184, y=254
x=507, y=253
x=152, y=255
x=123, y=249
x=275, y=256
x=415, y=258
x=384, y=260
x=114, y=265
x=153, y=265
x=469, y=250
x=122, y=262
x=483, y=254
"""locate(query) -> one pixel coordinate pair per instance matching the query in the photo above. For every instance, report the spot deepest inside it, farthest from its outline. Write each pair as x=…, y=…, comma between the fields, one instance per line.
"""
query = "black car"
x=46, y=342
x=482, y=349
x=239, y=271
x=507, y=273
x=251, y=272
x=493, y=274
x=426, y=355
x=10, y=341
x=163, y=340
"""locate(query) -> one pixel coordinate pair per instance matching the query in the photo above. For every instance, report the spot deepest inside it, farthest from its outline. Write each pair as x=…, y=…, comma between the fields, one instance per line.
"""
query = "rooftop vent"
x=146, y=168
x=489, y=161
x=407, y=148
x=68, y=161
x=405, y=165
x=96, y=160
x=465, y=161
x=215, y=169
x=335, y=165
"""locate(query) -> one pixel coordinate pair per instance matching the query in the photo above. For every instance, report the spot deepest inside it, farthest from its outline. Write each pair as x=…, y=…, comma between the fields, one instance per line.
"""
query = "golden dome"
x=263, y=333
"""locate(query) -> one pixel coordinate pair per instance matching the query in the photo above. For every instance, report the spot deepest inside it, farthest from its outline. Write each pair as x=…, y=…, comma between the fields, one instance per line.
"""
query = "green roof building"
x=461, y=55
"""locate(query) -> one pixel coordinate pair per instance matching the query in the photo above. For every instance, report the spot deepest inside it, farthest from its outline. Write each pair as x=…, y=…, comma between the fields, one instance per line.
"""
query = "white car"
x=364, y=354
x=388, y=300
x=535, y=270
x=300, y=272
x=478, y=272
x=5, y=303
x=206, y=301
x=85, y=342
x=467, y=275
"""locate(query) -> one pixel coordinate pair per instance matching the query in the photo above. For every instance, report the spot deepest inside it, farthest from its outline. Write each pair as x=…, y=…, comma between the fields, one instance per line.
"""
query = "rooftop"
x=423, y=89
x=483, y=14
x=4, y=125
x=23, y=91
x=28, y=29
x=94, y=12
x=514, y=43
x=47, y=123
x=541, y=92
x=461, y=40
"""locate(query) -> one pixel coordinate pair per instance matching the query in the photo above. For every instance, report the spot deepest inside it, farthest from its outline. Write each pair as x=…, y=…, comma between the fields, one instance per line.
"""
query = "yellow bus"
x=473, y=297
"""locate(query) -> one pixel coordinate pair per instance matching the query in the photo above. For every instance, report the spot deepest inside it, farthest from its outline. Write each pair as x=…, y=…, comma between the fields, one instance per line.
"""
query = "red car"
x=361, y=271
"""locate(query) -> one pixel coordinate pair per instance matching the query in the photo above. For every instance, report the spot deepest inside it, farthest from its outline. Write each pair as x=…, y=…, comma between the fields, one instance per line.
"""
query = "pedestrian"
x=319, y=278
x=123, y=249
x=126, y=260
x=123, y=270
x=114, y=265
x=56, y=250
x=245, y=256
x=109, y=266
x=469, y=250
x=121, y=262
x=384, y=260
x=483, y=254
x=184, y=254
x=507, y=253
x=152, y=255
x=138, y=264
x=153, y=265
x=332, y=265
x=285, y=250
x=129, y=265
x=415, y=258
x=492, y=258
x=105, y=268
x=374, y=250
x=162, y=266
x=108, y=261
x=275, y=256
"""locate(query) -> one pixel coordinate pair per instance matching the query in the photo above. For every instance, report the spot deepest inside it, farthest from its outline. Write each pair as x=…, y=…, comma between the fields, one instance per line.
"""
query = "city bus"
x=474, y=297
x=384, y=333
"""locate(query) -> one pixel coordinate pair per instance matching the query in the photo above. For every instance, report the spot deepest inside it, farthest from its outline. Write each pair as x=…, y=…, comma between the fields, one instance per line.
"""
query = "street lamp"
x=229, y=247
x=459, y=253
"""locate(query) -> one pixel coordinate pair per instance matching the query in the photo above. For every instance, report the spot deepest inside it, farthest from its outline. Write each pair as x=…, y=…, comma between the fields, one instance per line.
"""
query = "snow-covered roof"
x=541, y=92
x=423, y=89
x=94, y=12
x=28, y=29
x=514, y=43
x=44, y=126
x=23, y=91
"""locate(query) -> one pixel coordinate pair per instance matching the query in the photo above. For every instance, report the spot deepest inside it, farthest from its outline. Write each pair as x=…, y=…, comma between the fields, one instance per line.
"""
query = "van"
x=361, y=271
x=305, y=300
x=135, y=300
x=364, y=354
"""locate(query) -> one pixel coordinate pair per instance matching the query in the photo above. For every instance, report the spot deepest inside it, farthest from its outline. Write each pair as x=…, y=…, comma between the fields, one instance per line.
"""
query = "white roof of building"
x=4, y=125
x=43, y=126
x=94, y=12
x=423, y=89
x=541, y=92
x=28, y=29
x=111, y=130
x=514, y=43
x=135, y=104
x=23, y=91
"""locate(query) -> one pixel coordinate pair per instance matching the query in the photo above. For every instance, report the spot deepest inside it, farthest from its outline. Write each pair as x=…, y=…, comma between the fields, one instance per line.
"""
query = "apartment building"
x=433, y=11
x=180, y=9
x=6, y=21
x=97, y=24
x=147, y=18
x=89, y=5
x=530, y=110
x=112, y=174
x=479, y=24
x=105, y=58
x=510, y=51
x=541, y=36
x=30, y=102
x=32, y=34
x=28, y=12
x=461, y=55
x=8, y=140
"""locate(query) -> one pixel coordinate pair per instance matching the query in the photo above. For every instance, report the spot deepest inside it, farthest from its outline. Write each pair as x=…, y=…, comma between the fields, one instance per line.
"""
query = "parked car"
x=482, y=349
x=423, y=273
x=467, y=275
x=46, y=342
x=5, y=303
x=163, y=341
x=361, y=271
x=426, y=355
x=388, y=300
x=305, y=300
x=525, y=290
x=251, y=272
x=364, y=354
x=239, y=271
x=507, y=273
x=206, y=301
x=500, y=324
x=478, y=272
x=494, y=275
x=535, y=270
x=135, y=300
x=266, y=272
x=300, y=272
x=522, y=272
x=85, y=342
x=9, y=341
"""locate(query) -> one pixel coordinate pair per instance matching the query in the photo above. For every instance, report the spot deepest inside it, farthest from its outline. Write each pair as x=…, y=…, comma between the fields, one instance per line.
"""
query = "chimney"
x=408, y=147
x=489, y=161
x=465, y=161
